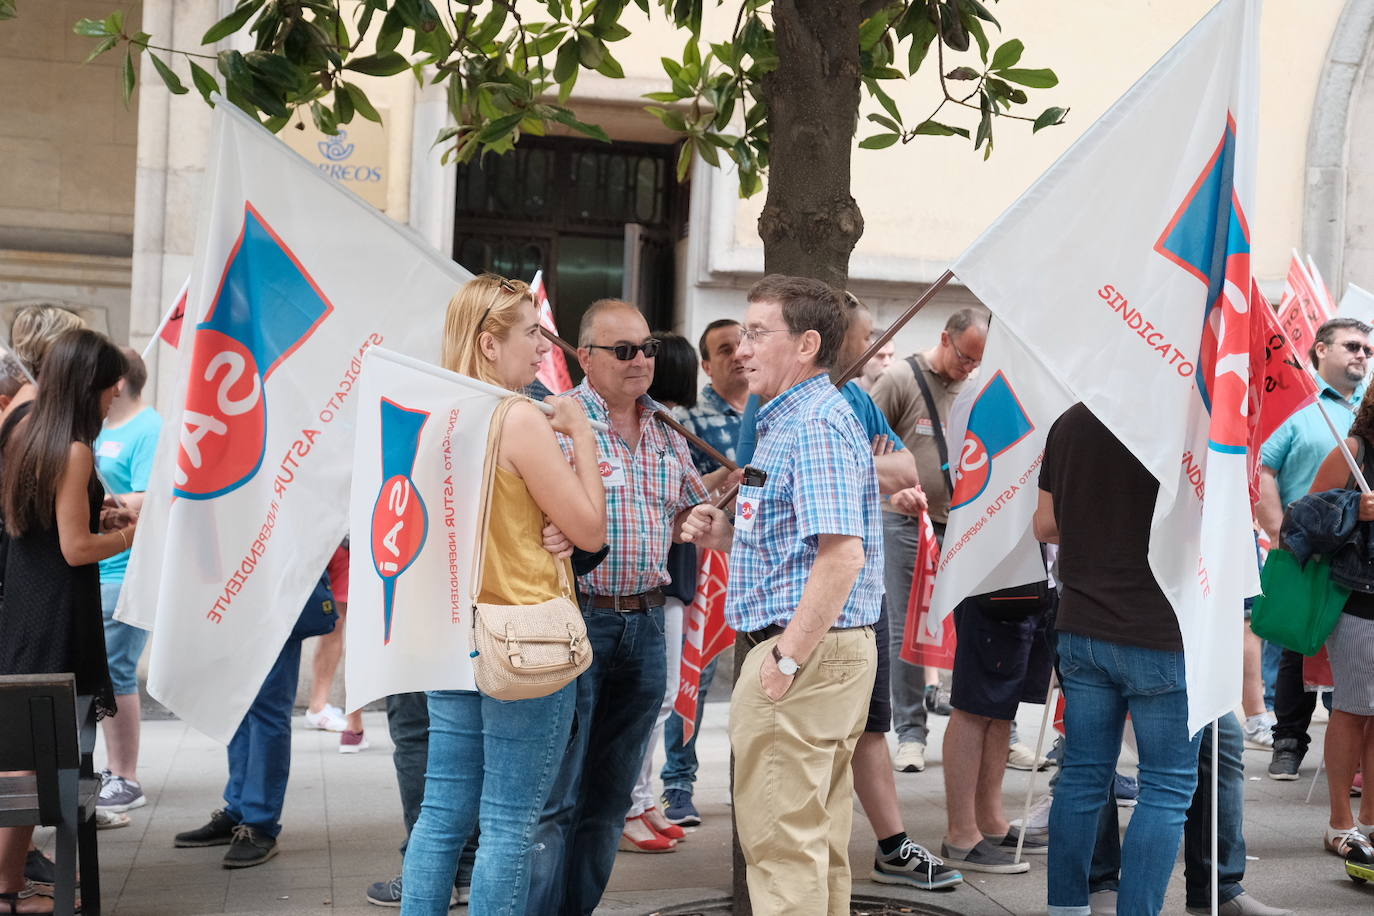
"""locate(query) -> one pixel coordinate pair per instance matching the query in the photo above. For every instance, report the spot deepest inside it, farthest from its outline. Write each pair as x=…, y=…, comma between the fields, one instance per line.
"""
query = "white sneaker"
x=1020, y=757
x=910, y=757
x=1038, y=820
x=329, y=719
x=1259, y=733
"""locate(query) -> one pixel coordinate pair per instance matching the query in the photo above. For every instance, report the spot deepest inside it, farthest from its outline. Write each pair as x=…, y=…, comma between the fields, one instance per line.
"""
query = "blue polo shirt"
x=1297, y=448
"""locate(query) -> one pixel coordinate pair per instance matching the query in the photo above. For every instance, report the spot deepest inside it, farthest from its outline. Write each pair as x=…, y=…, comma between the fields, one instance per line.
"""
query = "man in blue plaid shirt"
x=805, y=589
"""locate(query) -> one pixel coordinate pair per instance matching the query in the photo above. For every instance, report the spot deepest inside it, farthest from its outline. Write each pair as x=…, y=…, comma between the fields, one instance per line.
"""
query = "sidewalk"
x=342, y=826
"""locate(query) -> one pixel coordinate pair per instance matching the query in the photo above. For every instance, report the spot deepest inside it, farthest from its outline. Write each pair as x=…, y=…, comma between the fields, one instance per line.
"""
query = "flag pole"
x=1345, y=449
x=1216, y=734
x=661, y=416
x=1030, y=783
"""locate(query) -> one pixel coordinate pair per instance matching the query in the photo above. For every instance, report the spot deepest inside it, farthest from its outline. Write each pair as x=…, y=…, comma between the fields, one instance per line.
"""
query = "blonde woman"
x=492, y=763
x=33, y=331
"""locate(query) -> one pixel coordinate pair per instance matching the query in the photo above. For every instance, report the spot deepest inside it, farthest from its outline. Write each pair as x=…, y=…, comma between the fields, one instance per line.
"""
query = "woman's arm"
x=1335, y=473
x=571, y=497
x=79, y=546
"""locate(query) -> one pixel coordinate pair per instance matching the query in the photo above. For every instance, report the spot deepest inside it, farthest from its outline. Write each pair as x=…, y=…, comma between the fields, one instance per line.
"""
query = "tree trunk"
x=810, y=222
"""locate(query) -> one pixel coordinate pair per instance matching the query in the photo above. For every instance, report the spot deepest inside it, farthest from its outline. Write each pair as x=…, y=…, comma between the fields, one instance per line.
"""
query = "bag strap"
x=498, y=420
x=935, y=425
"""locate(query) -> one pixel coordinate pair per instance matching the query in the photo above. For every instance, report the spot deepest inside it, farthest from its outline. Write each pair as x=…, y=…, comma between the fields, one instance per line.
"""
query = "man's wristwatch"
x=788, y=665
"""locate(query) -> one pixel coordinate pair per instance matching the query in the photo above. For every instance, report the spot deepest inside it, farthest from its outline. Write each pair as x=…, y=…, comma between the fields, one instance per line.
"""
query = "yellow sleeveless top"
x=516, y=569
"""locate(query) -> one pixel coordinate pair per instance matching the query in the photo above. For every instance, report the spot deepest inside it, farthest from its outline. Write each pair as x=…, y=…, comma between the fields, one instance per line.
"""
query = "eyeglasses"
x=964, y=358
x=626, y=351
x=1354, y=346
x=753, y=334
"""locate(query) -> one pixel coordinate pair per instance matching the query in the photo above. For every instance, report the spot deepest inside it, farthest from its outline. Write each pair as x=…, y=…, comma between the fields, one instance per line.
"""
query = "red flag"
x=705, y=632
x=922, y=646
x=1280, y=384
x=553, y=370
x=171, y=322
x=1300, y=310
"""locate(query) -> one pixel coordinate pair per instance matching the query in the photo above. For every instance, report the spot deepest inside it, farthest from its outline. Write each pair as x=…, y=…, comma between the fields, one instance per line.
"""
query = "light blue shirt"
x=821, y=480
x=1297, y=448
x=124, y=455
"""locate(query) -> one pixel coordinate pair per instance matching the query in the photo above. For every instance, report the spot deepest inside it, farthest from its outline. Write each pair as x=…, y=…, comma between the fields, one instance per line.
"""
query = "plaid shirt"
x=821, y=480
x=714, y=420
x=659, y=483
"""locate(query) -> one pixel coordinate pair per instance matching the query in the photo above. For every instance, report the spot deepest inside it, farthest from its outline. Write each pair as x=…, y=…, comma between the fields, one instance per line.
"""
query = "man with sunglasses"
x=1340, y=355
x=915, y=394
x=651, y=486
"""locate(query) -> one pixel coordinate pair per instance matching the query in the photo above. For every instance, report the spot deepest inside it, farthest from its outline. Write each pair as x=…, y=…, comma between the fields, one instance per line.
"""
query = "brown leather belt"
x=640, y=602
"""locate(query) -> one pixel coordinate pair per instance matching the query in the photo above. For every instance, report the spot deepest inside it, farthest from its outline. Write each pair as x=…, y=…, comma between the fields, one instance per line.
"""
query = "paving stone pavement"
x=342, y=827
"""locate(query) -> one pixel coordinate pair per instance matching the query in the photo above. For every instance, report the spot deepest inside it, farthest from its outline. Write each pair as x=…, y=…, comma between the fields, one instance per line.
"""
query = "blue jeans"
x=123, y=643
x=618, y=698
x=1197, y=829
x=1102, y=682
x=260, y=751
x=1269, y=670
x=490, y=762
x=901, y=538
x=680, y=767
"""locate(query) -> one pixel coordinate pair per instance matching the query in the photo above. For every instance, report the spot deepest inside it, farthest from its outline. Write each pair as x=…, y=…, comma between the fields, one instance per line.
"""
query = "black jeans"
x=1293, y=706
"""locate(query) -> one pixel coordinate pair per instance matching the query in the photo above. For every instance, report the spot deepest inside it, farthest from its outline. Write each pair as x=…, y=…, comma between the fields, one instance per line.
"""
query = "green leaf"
x=205, y=83
x=127, y=77
x=1035, y=79
x=563, y=116
x=885, y=122
x=662, y=96
x=879, y=141
x=275, y=70
x=91, y=28
x=114, y=23
x=170, y=78
x=237, y=76
x=499, y=128
x=381, y=64
x=615, y=32
x=590, y=51
x=708, y=152
x=7, y=9
x=725, y=112
x=565, y=65
x=105, y=44
x=921, y=36
x=975, y=28
x=361, y=103
x=324, y=119
x=673, y=120
x=565, y=87
x=684, y=159
x=984, y=122
x=953, y=32
x=610, y=67
x=963, y=73
x=1007, y=55
x=936, y=129
x=389, y=36
x=672, y=68
x=883, y=98
x=873, y=28
x=1049, y=117
x=233, y=22
x=979, y=10
x=343, y=105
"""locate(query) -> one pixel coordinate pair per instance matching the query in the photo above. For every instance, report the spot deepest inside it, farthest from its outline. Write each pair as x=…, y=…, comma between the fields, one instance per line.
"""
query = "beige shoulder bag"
x=523, y=651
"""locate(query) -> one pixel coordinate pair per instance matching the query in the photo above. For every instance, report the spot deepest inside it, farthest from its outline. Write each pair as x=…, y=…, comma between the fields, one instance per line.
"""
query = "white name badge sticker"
x=110, y=449
x=612, y=472
x=746, y=510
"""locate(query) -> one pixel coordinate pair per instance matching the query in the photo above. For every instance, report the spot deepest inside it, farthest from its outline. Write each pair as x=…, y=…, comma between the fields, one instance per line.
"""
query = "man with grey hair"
x=916, y=393
x=1290, y=458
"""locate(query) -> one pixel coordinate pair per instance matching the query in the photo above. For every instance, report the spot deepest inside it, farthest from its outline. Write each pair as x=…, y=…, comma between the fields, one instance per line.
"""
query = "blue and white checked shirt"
x=821, y=480
x=714, y=420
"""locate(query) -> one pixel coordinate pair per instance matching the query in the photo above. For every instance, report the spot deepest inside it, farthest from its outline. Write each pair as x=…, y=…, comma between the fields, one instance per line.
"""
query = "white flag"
x=997, y=431
x=293, y=280
x=1125, y=269
x=1357, y=303
x=417, y=481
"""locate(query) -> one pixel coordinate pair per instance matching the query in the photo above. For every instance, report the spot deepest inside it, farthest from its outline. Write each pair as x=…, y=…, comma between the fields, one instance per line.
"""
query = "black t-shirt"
x=1103, y=502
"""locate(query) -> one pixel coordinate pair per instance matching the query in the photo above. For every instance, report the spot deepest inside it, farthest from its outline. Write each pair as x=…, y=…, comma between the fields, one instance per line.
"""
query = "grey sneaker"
x=118, y=795
x=388, y=893
x=1033, y=845
x=913, y=864
x=1242, y=905
x=984, y=857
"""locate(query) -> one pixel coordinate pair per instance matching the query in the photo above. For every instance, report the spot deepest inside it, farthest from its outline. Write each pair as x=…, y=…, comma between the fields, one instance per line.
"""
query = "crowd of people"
x=521, y=806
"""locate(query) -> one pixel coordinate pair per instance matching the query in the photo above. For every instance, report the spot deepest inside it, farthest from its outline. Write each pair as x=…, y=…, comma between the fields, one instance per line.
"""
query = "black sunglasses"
x=1354, y=346
x=626, y=351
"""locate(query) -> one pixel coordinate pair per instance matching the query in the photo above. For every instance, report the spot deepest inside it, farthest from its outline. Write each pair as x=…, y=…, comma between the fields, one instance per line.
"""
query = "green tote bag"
x=1298, y=607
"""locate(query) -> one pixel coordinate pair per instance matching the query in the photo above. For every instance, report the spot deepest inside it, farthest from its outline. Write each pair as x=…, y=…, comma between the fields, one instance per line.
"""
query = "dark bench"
x=45, y=728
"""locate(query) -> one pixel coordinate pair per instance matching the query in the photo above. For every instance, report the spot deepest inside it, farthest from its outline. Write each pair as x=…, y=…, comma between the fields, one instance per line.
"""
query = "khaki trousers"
x=793, y=787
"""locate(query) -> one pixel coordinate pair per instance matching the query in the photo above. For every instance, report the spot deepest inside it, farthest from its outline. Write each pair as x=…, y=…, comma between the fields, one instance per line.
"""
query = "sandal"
x=12, y=900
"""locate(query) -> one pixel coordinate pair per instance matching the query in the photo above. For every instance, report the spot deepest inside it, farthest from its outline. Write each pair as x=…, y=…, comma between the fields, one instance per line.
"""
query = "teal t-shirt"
x=1297, y=449
x=125, y=457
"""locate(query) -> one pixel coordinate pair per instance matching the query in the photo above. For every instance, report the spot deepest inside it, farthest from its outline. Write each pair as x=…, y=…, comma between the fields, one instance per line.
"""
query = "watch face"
x=788, y=666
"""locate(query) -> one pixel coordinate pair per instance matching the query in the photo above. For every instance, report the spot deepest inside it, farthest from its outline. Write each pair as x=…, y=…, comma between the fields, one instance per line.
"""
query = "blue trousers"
x=260, y=752
x=1102, y=682
x=680, y=767
x=618, y=698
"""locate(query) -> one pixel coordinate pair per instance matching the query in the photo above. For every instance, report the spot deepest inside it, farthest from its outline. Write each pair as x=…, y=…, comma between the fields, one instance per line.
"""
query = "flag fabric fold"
x=1125, y=270
x=553, y=368
x=417, y=490
x=705, y=634
x=293, y=280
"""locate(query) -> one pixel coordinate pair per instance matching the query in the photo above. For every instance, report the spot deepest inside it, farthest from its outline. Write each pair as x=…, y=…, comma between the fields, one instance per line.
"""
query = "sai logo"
x=399, y=518
x=1210, y=239
x=996, y=423
x=265, y=308
x=334, y=148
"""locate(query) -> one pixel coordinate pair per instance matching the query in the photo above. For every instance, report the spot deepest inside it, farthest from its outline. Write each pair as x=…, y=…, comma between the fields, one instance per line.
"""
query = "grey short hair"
x=964, y=319
x=584, y=329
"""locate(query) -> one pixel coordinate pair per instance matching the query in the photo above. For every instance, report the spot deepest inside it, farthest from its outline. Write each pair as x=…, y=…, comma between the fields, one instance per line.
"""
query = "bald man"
x=651, y=485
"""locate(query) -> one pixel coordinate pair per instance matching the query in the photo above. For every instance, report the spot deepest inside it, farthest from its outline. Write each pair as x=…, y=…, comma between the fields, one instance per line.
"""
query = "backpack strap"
x=935, y=424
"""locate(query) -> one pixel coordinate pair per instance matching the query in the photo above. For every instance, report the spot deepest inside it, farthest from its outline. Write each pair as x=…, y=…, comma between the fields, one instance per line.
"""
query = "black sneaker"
x=914, y=865
x=937, y=701
x=1288, y=754
x=249, y=848
x=678, y=808
x=218, y=832
x=39, y=869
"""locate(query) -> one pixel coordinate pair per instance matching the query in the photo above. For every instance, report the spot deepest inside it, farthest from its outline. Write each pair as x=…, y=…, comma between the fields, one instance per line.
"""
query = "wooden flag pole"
x=662, y=416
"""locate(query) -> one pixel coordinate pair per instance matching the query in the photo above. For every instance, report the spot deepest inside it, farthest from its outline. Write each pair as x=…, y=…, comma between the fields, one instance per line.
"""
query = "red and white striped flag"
x=1300, y=310
x=928, y=643
x=706, y=634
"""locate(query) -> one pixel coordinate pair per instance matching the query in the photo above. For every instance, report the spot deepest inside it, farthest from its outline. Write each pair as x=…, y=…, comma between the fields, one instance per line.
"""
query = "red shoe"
x=1357, y=788
x=639, y=836
x=661, y=825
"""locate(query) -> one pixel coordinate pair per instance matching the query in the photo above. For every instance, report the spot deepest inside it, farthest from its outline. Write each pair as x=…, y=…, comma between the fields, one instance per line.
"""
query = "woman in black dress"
x=54, y=535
